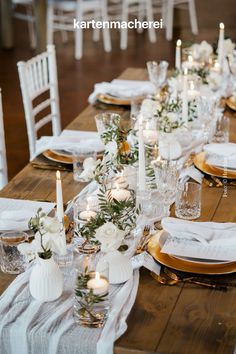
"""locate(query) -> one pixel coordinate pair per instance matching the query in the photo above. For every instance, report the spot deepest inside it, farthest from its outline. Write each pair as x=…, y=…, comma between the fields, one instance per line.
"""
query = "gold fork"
x=144, y=239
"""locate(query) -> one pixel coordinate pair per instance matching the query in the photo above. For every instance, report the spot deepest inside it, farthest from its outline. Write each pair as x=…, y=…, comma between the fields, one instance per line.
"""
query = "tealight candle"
x=99, y=285
x=178, y=55
x=87, y=214
x=120, y=194
x=221, y=43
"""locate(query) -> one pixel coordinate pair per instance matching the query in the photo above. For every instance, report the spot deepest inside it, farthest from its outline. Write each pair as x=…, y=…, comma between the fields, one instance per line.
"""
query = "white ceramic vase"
x=46, y=280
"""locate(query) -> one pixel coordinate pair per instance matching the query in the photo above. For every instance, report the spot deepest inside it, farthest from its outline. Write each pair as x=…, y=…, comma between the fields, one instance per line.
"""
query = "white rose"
x=51, y=225
x=202, y=51
x=149, y=107
x=173, y=117
x=112, y=149
x=89, y=166
x=228, y=47
x=29, y=250
x=109, y=236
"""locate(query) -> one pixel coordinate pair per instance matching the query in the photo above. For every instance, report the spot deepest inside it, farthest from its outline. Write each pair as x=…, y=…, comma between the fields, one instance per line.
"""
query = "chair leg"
x=31, y=27
x=164, y=12
x=124, y=31
x=79, y=34
x=50, y=13
x=193, y=16
x=105, y=31
x=64, y=34
x=169, y=17
x=151, y=30
x=140, y=16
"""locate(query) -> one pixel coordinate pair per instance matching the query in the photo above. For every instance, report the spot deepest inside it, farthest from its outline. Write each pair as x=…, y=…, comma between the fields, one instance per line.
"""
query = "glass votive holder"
x=11, y=260
x=188, y=200
x=79, y=157
x=105, y=120
x=91, y=305
x=83, y=214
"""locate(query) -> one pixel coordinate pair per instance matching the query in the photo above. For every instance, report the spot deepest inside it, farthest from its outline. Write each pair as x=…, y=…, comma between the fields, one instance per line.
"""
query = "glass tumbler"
x=222, y=130
x=79, y=173
x=11, y=260
x=188, y=200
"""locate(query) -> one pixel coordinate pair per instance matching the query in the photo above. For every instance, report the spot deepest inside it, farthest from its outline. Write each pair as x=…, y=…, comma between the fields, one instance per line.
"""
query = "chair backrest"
x=3, y=159
x=37, y=76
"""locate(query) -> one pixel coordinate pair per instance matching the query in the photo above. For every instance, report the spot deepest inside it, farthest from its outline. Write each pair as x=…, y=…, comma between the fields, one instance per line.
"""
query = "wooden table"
x=178, y=319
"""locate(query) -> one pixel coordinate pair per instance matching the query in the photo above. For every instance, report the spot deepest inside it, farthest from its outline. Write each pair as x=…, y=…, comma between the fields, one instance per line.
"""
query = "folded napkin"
x=190, y=172
x=222, y=155
x=68, y=141
x=122, y=89
x=204, y=232
x=15, y=213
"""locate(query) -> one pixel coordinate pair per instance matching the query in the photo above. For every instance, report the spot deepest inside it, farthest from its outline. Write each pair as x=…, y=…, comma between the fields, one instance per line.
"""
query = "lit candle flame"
x=222, y=26
x=179, y=43
x=58, y=175
x=97, y=276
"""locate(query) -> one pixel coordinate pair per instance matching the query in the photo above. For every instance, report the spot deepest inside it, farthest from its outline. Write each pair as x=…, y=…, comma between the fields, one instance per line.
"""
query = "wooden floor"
x=76, y=78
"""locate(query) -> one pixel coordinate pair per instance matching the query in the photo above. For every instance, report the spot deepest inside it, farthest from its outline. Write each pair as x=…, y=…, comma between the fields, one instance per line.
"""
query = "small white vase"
x=46, y=280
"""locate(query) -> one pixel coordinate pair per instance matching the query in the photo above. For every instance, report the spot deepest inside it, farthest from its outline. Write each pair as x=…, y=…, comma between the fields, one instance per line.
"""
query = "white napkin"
x=70, y=142
x=190, y=172
x=122, y=89
x=16, y=213
x=204, y=232
x=222, y=155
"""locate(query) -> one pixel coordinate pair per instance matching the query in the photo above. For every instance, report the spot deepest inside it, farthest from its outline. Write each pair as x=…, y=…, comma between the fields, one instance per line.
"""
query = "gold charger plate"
x=231, y=102
x=53, y=156
x=63, y=158
x=200, y=162
x=107, y=99
x=187, y=266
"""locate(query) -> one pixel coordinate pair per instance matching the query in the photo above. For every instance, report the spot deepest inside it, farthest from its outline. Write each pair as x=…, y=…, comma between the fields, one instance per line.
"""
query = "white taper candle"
x=178, y=55
x=185, y=97
x=141, y=158
x=221, y=44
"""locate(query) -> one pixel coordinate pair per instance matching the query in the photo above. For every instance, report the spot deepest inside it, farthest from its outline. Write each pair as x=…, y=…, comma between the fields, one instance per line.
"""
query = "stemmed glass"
x=166, y=174
x=157, y=73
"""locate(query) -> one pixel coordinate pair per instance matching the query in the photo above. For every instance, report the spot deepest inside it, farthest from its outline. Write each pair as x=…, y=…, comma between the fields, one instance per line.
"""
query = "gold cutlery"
x=144, y=239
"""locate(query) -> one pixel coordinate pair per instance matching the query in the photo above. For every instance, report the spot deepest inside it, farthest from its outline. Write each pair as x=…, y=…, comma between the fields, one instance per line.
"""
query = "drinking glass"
x=166, y=174
x=11, y=260
x=79, y=157
x=157, y=73
x=188, y=200
x=104, y=120
x=222, y=130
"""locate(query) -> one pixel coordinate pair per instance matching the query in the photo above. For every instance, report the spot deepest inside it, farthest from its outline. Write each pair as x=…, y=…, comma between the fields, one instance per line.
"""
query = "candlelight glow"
x=222, y=26
x=58, y=175
x=97, y=276
x=179, y=43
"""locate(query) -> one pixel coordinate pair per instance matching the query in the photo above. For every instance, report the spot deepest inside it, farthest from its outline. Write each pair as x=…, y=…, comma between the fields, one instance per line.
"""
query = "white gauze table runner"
x=31, y=327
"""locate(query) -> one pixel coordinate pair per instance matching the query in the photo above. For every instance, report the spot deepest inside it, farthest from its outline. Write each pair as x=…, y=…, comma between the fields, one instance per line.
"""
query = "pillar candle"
x=60, y=209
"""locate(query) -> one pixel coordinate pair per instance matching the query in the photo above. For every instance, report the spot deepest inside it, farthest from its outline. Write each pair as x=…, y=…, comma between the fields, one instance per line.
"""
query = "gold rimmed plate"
x=62, y=156
x=118, y=101
x=231, y=103
x=200, y=162
x=154, y=249
x=57, y=157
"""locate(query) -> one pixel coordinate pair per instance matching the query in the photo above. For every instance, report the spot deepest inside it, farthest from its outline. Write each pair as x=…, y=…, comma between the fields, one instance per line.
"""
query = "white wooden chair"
x=60, y=16
x=121, y=10
x=3, y=159
x=37, y=76
x=28, y=17
x=169, y=10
